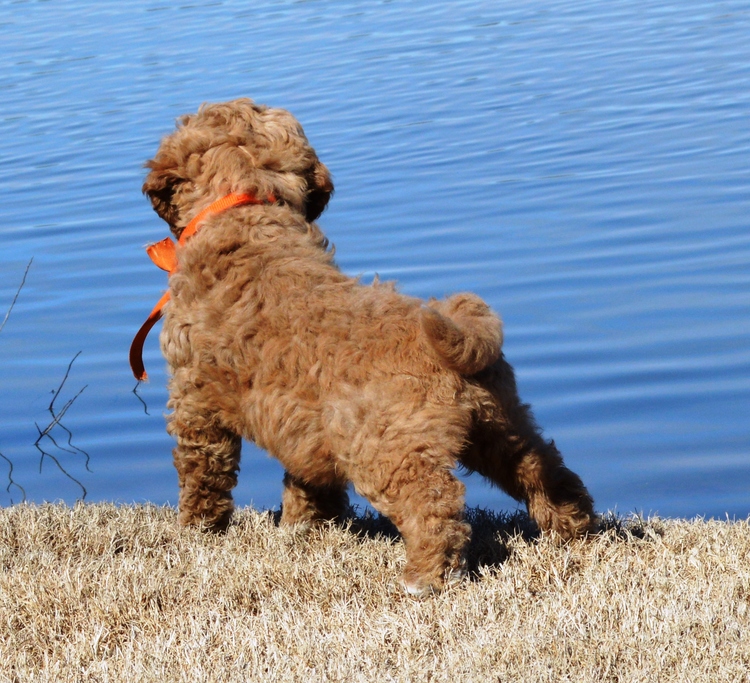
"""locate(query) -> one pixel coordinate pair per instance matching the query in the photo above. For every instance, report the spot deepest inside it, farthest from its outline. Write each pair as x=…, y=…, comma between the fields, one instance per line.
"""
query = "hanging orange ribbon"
x=164, y=255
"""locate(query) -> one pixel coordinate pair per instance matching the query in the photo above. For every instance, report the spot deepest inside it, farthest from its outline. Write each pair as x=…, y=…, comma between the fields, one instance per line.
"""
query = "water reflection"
x=49, y=435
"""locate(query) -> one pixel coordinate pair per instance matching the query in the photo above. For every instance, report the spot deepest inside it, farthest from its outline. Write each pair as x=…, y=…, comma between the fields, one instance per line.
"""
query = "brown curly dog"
x=268, y=340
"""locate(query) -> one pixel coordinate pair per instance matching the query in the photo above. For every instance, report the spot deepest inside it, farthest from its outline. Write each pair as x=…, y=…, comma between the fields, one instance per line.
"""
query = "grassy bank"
x=105, y=593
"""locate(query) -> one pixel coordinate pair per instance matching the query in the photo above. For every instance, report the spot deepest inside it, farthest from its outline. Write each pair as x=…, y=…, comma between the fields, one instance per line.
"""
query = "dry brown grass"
x=105, y=593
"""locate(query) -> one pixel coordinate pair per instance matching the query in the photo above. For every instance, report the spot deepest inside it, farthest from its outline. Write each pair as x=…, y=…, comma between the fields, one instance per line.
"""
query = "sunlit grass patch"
x=101, y=592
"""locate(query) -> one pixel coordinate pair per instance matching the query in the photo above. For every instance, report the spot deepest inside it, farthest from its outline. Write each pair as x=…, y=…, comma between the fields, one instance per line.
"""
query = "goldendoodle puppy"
x=268, y=340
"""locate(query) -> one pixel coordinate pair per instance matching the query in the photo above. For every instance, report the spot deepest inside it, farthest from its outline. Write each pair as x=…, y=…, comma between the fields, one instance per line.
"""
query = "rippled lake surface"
x=582, y=166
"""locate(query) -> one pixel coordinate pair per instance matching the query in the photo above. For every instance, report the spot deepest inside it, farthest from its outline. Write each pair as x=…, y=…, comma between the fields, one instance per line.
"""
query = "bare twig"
x=18, y=291
x=56, y=421
x=59, y=389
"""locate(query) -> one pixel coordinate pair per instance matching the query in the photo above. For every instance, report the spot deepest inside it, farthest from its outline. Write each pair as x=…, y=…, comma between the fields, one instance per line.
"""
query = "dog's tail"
x=464, y=332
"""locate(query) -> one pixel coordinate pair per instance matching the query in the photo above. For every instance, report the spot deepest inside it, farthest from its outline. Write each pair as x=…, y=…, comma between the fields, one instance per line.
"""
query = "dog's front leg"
x=207, y=458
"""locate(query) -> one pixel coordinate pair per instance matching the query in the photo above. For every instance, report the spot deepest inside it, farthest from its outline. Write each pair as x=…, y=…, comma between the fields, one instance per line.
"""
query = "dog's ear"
x=320, y=189
x=159, y=187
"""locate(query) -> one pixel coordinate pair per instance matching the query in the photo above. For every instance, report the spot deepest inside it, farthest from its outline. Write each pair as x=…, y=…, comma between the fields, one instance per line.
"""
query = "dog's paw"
x=418, y=588
x=455, y=576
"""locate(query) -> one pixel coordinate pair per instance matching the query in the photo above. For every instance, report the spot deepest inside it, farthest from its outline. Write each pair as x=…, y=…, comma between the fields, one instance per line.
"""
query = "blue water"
x=582, y=166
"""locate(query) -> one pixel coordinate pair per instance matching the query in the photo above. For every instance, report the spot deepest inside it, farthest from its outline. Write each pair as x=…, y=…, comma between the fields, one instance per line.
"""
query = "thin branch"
x=18, y=291
x=62, y=384
x=57, y=417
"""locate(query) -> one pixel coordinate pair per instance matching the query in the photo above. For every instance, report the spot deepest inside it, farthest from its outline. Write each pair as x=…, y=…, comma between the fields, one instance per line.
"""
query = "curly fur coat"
x=268, y=340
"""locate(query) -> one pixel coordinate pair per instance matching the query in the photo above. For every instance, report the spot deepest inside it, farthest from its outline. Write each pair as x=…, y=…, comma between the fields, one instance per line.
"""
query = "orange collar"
x=164, y=255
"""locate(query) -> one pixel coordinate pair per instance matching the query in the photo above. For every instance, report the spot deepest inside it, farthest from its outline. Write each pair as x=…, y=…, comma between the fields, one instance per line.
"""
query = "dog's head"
x=235, y=146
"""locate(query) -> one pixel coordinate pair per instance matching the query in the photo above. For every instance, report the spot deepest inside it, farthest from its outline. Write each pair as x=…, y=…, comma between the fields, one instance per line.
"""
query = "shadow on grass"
x=635, y=527
x=489, y=532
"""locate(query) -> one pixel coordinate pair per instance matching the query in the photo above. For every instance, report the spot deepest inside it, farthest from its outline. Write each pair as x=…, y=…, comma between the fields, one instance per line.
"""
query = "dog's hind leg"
x=532, y=470
x=207, y=458
x=510, y=451
x=421, y=496
x=305, y=504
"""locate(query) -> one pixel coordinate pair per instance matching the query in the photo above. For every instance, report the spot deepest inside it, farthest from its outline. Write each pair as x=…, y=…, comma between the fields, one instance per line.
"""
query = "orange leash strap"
x=136, y=348
x=164, y=255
